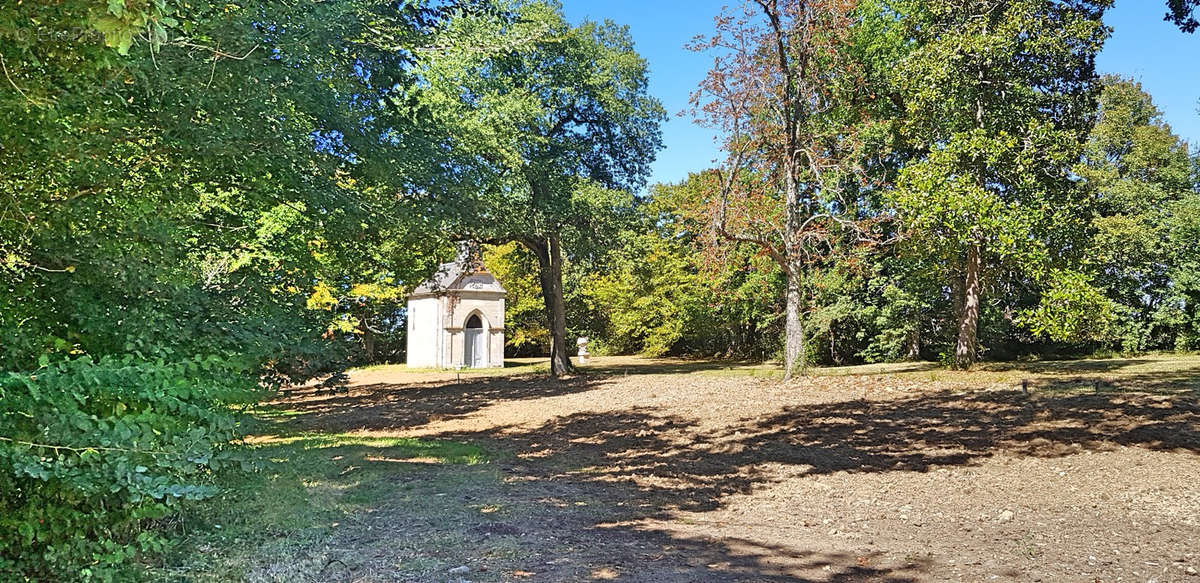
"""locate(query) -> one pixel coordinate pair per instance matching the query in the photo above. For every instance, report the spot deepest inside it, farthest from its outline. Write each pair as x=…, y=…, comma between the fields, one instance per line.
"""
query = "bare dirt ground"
x=676, y=471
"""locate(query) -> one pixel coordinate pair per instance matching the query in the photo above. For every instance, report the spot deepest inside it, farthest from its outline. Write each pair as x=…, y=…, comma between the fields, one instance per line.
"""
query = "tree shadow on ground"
x=381, y=405
x=429, y=507
x=669, y=463
x=596, y=477
x=672, y=366
x=1109, y=381
x=565, y=529
x=941, y=429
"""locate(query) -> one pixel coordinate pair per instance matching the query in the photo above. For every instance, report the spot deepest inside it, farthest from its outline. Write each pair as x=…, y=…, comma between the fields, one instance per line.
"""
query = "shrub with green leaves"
x=90, y=450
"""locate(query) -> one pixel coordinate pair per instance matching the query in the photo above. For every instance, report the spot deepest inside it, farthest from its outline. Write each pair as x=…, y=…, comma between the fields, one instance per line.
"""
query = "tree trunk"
x=914, y=345
x=834, y=357
x=968, y=321
x=549, y=254
x=793, y=349
x=368, y=343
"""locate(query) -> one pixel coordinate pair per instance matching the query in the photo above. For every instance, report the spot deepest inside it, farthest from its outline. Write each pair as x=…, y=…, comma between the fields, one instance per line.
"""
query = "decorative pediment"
x=478, y=281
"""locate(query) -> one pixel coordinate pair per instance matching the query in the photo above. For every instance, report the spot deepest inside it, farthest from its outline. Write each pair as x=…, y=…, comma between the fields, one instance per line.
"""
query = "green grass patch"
x=270, y=413
x=308, y=486
x=366, y=447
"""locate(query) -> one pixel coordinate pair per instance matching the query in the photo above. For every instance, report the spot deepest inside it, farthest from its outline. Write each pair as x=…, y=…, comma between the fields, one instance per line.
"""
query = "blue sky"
x=1164, y=60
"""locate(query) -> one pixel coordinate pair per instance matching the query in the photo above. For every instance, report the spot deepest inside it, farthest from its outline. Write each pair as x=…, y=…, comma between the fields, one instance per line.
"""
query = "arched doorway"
x=476, y=340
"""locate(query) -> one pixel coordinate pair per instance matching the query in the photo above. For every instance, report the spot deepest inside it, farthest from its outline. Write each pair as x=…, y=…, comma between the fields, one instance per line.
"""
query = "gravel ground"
x=675, y=471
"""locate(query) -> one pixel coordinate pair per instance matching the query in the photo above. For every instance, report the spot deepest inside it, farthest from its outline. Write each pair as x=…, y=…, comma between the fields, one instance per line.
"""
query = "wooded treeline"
x=972, y=193
x=202, y=201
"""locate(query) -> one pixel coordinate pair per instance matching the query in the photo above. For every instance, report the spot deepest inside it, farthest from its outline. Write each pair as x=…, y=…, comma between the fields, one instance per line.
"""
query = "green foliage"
x=1179, y=314
x=658, y=294
x=555, y=106
x=905, y=303
x=666, y=302
x=92, y=450
x=1142, y=179
x=1071, y=310
x=995, y=168
x=653, y=301
x=174, y=181
x=988, y=188
x=156, y=215
x=525, y=328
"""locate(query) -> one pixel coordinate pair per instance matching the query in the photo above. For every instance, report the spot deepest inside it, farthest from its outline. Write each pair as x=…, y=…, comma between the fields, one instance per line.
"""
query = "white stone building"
x=456, y=319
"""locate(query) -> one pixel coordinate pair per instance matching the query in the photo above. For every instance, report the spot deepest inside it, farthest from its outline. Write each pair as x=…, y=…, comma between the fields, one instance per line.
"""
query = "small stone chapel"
x=456, y=319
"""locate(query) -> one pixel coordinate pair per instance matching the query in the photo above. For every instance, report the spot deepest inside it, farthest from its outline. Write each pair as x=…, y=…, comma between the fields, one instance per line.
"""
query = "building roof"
x=449, y=275
x=443, y=278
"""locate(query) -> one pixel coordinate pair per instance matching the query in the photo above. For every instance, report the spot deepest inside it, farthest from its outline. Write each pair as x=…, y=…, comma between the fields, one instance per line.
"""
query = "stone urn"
x=583, y=353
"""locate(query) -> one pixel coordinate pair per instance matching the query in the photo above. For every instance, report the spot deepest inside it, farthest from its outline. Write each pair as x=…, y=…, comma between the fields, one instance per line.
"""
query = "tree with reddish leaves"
x=790, y=91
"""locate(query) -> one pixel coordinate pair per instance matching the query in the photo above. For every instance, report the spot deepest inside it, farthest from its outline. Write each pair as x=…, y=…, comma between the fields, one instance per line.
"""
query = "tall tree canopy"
x=1143, y=180
x=556, y=127
x=999, y=97
x=186, y=196
x=791, y=92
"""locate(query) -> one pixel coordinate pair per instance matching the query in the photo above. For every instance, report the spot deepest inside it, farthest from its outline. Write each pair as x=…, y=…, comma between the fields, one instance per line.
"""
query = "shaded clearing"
x=687, y=477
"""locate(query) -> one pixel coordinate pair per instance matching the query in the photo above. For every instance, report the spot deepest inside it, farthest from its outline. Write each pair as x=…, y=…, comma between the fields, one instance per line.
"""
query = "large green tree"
x=999, y=97
x=174, y=181
x=1143, y=179
x=553, y=125
x=186, y=197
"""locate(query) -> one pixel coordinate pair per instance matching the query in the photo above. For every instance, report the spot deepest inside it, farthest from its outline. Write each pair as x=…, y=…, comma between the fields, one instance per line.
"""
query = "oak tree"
x=999, y=96
x=553, y=125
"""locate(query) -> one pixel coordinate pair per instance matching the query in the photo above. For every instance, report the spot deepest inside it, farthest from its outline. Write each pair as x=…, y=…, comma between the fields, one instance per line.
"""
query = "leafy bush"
x=1071, y=309
x=92, y=450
